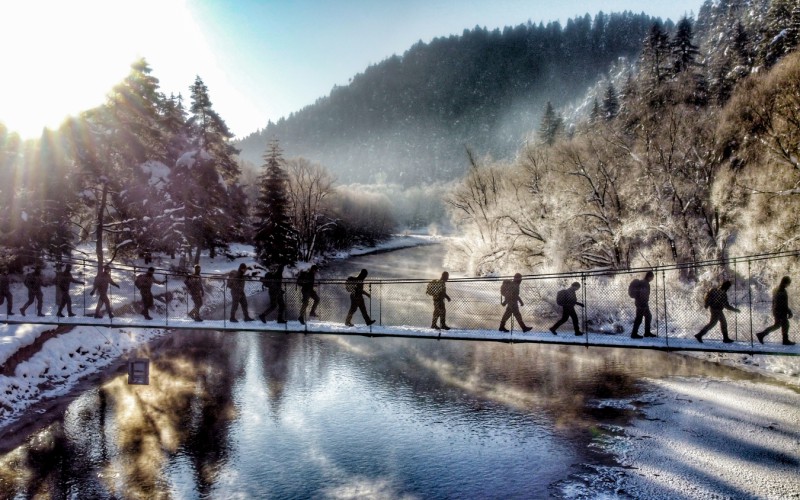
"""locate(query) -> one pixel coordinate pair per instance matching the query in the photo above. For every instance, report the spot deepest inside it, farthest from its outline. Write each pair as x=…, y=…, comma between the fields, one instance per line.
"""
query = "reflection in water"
x=298, y=416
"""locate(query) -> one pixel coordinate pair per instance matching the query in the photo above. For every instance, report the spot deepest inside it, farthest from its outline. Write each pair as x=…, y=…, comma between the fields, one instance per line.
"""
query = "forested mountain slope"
x=410, y=118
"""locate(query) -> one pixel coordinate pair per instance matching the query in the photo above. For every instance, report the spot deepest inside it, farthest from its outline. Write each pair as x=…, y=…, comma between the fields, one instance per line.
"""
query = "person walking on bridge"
x=236, y=283
x=63, y=280
x=144, y=282
x=438, y=290
x=639, y=291
x=355, y=286
x=306, y=281
x=33, y=282
x=717, y=301
x=567, y=299
x=5, y=292
x=509, y=297
x=273, y=280
x=194, y=285
x=780, y=312
x=100, y=286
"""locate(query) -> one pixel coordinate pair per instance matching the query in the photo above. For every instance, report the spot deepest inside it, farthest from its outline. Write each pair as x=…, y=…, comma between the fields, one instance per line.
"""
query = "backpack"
x=433, y=288
x=561, y=297
x=140, y=281
x=302, y=277
x=233, y=278
x=708, y=298
x=633, y=289
x=350, y=285
x=29, y=281
x=505, y=290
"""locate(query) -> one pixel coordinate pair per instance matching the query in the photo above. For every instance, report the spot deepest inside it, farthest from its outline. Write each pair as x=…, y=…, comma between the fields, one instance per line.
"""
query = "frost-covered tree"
x=309, y=187
x=610, y=102
x=781, y=31
x=684, y=52
x=551, y=126
x=275, y=237
x=655, y=57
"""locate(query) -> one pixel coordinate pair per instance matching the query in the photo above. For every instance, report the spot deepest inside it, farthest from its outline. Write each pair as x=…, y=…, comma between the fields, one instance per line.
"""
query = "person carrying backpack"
x=639, y=291
x=33, y=282
x=5, y=292
x=236, y=282
x=780, y=312
x=509, y=296
x=717, y=301
x=567, y=299
x=144, y=283
x=100, y=285
x=63, y=280
x=194, y=285
x=438, y=290
x=355, y=287
x=306, y=282
x=273, y=280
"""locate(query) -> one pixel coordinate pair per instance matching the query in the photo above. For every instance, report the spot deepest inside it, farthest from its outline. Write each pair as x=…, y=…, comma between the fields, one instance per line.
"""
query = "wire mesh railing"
x=676, y=305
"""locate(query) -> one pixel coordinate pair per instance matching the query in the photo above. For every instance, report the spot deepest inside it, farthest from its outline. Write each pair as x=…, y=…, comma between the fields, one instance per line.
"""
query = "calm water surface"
x=245, y=415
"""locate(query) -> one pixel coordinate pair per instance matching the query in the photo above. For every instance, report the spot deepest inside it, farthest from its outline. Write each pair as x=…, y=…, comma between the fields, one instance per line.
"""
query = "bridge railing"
x=676, y=303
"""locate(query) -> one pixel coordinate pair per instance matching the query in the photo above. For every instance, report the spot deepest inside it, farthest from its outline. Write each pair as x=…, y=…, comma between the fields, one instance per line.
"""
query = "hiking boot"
x=788, y=342
x=727, y=340
x=435, y=327
x=578, y=334
x=71, y=315
x=553, y=331
x=526, y=329
x=301, y=320
x=22, y=311
x=636, y=336
x=503, y=329
x=59, y=315
x=198, y=318
x=370, y=321
x=349, y=325
x=262, y=317
x=699, y=337
x=650, y=335
x=445, y=327
x=40, y=315
x=248, y=318
x=234, y=320
x=147, y=317
x=760, y=336
x=281, y=321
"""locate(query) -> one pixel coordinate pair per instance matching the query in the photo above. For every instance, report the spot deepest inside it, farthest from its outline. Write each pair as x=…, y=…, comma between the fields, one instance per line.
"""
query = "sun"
x=63, y=57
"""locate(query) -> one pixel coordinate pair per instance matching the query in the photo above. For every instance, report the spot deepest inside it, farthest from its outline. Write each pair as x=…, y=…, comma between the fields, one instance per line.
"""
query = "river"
x=247, y=415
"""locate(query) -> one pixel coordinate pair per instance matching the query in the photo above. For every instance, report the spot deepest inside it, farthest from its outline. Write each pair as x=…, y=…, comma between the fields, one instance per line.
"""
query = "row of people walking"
x=716, y=299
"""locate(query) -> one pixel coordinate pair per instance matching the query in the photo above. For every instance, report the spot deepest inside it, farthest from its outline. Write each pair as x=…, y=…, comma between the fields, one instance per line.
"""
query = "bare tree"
x=310, y=185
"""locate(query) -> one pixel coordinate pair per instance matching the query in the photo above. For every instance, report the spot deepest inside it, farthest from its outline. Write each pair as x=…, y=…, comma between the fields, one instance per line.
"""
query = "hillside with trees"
x=696, y=157
x=410, y=118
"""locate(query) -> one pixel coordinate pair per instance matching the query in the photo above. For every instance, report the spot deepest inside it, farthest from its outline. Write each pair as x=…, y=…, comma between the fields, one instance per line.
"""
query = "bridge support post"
x=750, y=300
x=664, y=286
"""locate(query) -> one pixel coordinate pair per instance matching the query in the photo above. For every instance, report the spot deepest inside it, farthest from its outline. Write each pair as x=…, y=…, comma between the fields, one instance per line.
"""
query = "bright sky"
x=261, y=59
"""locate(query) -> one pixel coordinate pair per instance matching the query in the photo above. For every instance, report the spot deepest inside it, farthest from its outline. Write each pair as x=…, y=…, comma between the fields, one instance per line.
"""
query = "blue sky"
x=260, y=59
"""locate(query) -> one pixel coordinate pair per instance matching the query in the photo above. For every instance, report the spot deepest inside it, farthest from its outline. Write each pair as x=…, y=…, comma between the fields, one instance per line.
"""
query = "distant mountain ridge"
x=410, y=118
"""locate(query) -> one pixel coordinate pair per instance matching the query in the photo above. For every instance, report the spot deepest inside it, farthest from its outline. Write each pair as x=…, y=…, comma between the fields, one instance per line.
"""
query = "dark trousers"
x=64, y=300
x=512, y=309
x=717, y=316
x=309, y=295
x=781, y=322
x=357, y=302
x=9, y=300
x=197, y=301
x=239, y=300
x=276, y=302
x=439, y=312
x=102, y=300
x=642, y=312
x=147, y=302
x=33, y=295
x=568, y=312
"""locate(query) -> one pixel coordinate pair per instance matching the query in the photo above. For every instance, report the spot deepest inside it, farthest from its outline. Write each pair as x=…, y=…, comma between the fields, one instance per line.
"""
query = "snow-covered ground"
x=702, y=438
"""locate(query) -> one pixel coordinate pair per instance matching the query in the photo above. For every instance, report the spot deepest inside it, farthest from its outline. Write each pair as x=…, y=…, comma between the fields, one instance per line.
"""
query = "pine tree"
x=782, y=32
x=610, y=102
x=594, y=114
x=275, y=237
x=551, y=126
x=655, y=56
x=684, y=52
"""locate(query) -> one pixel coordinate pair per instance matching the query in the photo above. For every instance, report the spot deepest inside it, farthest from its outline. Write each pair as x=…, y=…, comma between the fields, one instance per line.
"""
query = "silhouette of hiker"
x=438, y=290
x=639, y=291
x=509, y=297
x=63, y=280
x=355, y=286
x=144, y=282
x=100, y=286
x=194, y=285
x=780, y=312
x=567, y=299
x=5, y=292
x=33, y=282
x=236, y=282
x=273, y=280
x=717, y=301
x=306, y=281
